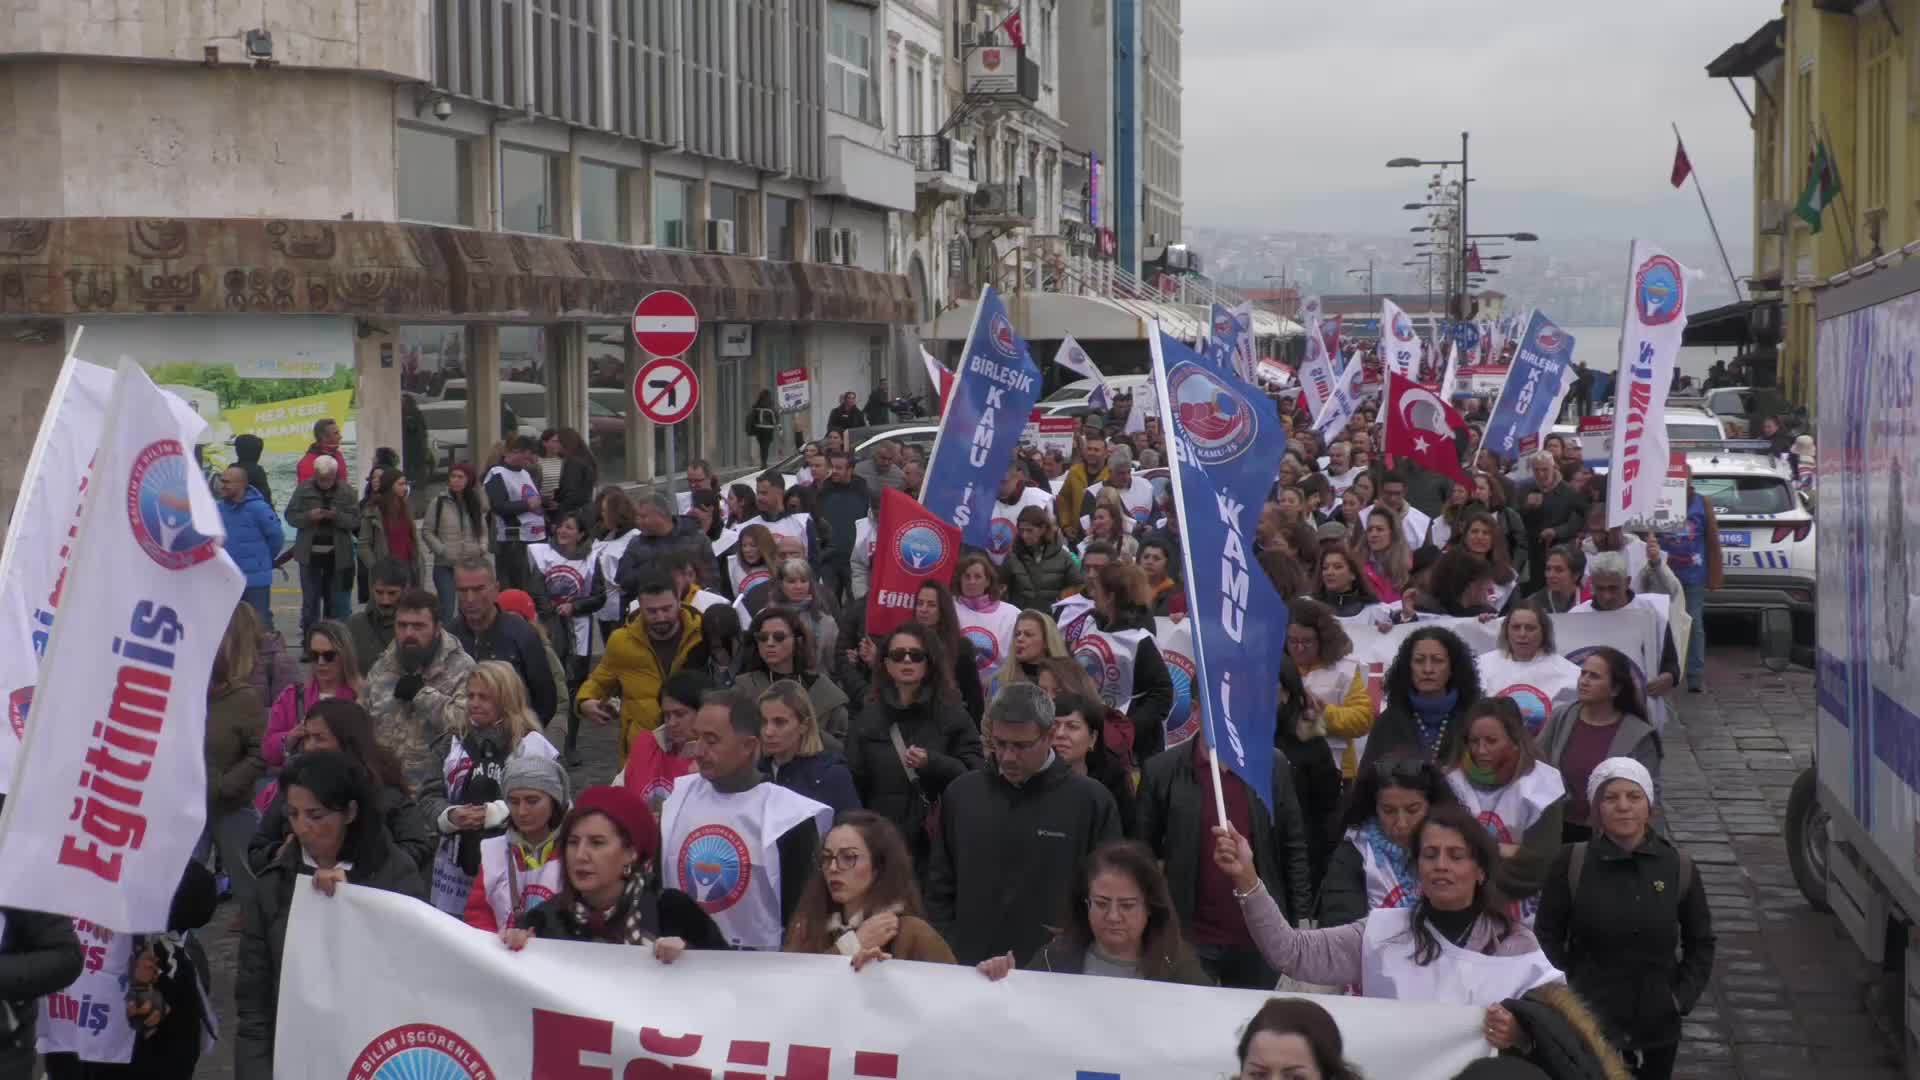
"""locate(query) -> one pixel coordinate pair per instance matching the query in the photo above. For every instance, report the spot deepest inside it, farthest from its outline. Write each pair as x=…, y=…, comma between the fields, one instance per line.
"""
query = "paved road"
x=1789, y=989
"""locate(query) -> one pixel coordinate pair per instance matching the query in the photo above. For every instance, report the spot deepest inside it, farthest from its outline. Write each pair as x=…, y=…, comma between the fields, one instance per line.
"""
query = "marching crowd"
x=967, y=787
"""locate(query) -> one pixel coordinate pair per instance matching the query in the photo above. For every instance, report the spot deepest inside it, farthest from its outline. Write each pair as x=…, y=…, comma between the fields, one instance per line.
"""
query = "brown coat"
x=916, y=940
x=236, y=720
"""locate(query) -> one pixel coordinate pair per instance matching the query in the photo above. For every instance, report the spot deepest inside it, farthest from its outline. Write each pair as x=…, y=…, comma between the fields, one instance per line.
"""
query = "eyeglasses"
x=322, y=656
x=907, y=656
x=772, y=637
x=845, y=859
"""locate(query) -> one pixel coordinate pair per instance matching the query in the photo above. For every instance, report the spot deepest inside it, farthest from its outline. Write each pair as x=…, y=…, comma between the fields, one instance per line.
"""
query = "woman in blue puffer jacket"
x=254, y=537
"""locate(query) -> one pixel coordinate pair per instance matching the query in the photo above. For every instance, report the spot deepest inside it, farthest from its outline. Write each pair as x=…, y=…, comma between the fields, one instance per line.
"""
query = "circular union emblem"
x=564, y=582
x=1000, y=332
x=1000, y=536
x=1096, y=656
x=920, y=548
x=1657, y=291
x=1534, y=704
x=1548, y=339
x=419, y=1052
x=986, y=647
x=1218, y=422
x=1403, y=327
x=715, y=867
x=159, y=511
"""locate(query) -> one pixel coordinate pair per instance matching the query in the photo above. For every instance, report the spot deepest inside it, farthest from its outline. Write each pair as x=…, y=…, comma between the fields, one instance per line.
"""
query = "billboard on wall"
x=267, y=376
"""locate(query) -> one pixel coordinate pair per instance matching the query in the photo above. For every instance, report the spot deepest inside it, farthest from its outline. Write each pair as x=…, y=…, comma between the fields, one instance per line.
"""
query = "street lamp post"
x=1368, y=270
x=1460, y=250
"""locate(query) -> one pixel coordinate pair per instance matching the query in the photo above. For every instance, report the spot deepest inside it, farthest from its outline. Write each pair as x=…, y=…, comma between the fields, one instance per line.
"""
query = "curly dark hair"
x=1452, y=575
x=1462, y=675
x=1335, y=645
x=939, y=678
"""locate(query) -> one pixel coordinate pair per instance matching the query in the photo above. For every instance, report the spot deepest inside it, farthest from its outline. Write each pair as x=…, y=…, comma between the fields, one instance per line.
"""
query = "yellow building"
x=1844, y=74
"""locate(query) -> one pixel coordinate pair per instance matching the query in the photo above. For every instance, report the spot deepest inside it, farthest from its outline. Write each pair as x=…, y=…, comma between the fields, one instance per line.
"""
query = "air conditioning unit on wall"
x=720, y=237
x=849, y=248
x=830, y=246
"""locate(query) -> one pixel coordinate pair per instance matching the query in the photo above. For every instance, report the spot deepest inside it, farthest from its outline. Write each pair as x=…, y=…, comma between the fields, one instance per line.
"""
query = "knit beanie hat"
x=531, y=772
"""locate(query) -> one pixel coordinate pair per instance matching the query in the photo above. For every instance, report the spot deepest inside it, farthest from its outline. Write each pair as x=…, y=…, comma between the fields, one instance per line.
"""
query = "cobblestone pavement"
x=1790, y=992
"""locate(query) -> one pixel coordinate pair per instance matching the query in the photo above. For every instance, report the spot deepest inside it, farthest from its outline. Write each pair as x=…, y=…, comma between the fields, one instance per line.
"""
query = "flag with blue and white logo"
x=993, y=393
x=1225, y=437
x=1530, y=398
x=1229, y=341
x=1075, y=359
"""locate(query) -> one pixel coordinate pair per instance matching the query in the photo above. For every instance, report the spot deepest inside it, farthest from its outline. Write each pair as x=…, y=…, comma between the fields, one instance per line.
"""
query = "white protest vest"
x=1329, y=684
x=722, y=850
x=863, y=537
x=1510, y=811
x=1383, y=889
x=1175, y=642
x=1538, y=686
x=701, y=600
x=1642, y=644
x=729, y=536
x=566, y=579
x=1497, y=594
x=89, y=1017
x=1006, y=520
x=1074, y=617
x=1108, y=658
x=536, y=886
x=794, y=525
x=991, y=635
x=527, y=527
x=746, y=577
x=606, y=562
x=450, y=883
x=1455, y=977
x=1137, y=498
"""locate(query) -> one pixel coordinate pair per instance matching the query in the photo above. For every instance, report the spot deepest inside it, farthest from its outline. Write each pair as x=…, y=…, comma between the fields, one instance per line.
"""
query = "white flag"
x=1452, y=372
x=1656, y=317
x=1243, y=355
x=1399, y=348
x=1316, y=375
x=1342, y=403
x=110, y=792
x=1075, y=359
x=44, y=518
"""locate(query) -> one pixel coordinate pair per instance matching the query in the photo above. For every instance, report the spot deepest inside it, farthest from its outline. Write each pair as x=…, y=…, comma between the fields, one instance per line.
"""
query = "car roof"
x=1734, y=463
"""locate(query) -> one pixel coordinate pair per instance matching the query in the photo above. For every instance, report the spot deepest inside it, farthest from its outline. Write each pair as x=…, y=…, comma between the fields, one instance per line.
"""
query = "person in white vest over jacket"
x=1526, y=666
x=521, y=868
x=1519, y=798
x=741, y=846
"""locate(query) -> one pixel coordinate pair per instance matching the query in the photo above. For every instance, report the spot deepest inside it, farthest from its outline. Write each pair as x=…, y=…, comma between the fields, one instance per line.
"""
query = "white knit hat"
x=1618, y=768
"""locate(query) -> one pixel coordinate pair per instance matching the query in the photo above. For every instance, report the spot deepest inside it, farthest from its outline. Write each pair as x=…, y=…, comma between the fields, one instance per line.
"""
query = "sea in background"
x=1599, y=348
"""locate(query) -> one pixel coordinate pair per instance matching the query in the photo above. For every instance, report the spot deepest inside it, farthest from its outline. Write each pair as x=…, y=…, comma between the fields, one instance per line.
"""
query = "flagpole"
x=1824, y=139
x=1694, y=171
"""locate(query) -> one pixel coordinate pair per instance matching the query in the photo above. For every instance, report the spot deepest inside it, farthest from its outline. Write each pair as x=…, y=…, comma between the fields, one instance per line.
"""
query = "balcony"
x=942, y=165
x=1002, y=74
x=1004, y=205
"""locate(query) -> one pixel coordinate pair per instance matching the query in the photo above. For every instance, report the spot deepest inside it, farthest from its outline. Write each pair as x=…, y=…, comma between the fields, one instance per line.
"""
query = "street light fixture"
x=1466, y=177
x=1368, y=271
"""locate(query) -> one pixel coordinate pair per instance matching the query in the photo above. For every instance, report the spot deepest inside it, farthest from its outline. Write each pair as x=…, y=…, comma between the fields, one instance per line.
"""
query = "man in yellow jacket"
x=661, y=638
x=1091, y=469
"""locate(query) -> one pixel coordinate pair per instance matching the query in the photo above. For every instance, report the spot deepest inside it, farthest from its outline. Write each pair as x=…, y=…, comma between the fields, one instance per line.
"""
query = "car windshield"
x=1693, y=432
x=1740, y=496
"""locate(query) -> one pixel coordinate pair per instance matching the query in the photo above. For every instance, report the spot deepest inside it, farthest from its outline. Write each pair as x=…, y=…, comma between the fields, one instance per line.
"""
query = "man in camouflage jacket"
x=417, y=690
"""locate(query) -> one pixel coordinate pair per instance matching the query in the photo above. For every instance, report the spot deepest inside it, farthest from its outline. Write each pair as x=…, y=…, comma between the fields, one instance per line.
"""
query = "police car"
x=1766, y=532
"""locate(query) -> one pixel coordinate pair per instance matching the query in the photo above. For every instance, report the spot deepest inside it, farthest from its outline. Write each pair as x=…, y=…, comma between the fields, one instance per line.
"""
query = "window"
x=436, y=181
x=529, y=191
x=1045, y=44
x=735, y=205
x=672, y=212
x=916, y=119
x=782, y=216
x=850, y=62
x=609, y=400
x=603, y=204
x=1877, y=105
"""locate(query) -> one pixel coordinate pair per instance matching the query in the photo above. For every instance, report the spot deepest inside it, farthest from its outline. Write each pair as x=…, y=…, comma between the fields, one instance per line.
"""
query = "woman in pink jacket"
x=334, y=672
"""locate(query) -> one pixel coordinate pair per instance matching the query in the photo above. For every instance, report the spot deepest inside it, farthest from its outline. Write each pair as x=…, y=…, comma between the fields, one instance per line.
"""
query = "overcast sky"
x=1284, y=100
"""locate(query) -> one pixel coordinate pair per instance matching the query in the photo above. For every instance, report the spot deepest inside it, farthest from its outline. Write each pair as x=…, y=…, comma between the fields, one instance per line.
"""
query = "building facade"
x=434, y=219
x=1838, y=74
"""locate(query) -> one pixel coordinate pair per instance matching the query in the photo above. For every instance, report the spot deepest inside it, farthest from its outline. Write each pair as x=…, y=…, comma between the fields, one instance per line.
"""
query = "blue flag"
x=1223, y=339
x=1226, y=438
x=993, y=393
x=1536, y=382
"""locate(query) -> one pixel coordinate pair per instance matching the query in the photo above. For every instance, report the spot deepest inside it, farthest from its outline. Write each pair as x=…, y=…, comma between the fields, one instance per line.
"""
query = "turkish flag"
x=1473, y=259
x=1016, y=29
x=1421, y=427
x=940, y=377
x=1681, y=166
x=910, y=546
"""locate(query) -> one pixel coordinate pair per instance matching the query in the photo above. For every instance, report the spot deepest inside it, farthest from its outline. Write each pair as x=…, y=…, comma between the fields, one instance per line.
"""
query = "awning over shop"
x=1729, y=324
x=57, y=267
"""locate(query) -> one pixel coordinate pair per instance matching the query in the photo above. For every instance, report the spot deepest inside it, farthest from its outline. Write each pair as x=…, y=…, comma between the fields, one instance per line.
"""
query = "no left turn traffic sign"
x=665, y=390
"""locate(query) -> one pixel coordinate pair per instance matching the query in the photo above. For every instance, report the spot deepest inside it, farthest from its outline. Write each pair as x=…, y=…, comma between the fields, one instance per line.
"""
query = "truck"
x=1852, y=824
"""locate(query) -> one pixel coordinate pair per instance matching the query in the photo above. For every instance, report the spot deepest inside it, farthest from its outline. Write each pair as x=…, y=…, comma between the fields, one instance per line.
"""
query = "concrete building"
x=1838, y=74
x=414, y=207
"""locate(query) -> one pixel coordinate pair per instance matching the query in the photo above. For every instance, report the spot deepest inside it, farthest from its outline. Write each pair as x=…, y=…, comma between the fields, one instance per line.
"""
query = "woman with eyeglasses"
x=913, y=738
x=1373, y=866
x=338, y=838
x=863, y=903
x=783, y=649
x=1119, y=923
x=334, y=672
x=799, y=591
x=935, y=612
x=792, y=754
x=344, y=726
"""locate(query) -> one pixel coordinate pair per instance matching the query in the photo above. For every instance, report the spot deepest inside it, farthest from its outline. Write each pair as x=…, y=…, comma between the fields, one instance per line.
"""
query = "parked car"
x=1767, y=541
x=863, y=440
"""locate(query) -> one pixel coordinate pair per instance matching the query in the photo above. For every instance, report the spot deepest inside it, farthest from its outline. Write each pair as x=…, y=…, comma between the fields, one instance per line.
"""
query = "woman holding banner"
x=1385, y=560
x=1526, y=666
x=520, y=868
x=863, y=903
x=1341, y=586
x=1120, y=922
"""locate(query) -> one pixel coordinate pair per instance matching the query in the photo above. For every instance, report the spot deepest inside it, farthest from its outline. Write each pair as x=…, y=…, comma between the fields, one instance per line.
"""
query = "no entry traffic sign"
x=665, y=323
x=665, y=390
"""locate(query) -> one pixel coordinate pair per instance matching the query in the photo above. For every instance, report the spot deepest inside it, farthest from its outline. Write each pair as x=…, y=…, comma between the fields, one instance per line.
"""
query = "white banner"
x=1342, y=403
x=88, y=1017
x=108, y=802
x=1316, y=375
x=1243, y=350
x=599, y=1012
x=1452, y=374
x=1650, y=332
x=45, y=518
x=1399, y=348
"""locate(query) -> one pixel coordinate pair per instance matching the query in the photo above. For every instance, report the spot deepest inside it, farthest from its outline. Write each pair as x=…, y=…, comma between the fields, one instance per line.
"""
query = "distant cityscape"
x=1578, y=282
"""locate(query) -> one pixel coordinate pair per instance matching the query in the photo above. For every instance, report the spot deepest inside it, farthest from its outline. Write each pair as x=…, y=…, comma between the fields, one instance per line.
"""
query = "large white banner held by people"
x=394, y=980
x=45, y=519
x=109, y=791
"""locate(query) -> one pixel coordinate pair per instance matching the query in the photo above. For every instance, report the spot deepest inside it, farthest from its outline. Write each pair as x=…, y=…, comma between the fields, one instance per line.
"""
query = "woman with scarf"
x=984, y=619
x=1336, y=686
x=782, y=648
x=1429, y=688
x=336, y=724
x=1373, y=865
x=464, y=800
x=609, y=845
x=334, y=672
x=863, y=903
x=519, y=868
x=1341, y=586
x=1518, y=797
x=1565, y=575
x=1385, y=560
x=934, y=611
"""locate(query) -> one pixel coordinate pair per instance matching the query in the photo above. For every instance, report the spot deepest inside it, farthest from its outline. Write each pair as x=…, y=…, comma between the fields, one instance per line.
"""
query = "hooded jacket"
x=1004, y=857
x=1037, y=576
x=254, y=535
x=246, y=454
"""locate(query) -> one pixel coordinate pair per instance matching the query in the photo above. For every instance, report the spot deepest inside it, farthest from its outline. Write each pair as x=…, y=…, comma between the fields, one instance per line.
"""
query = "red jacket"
x=304, y=471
